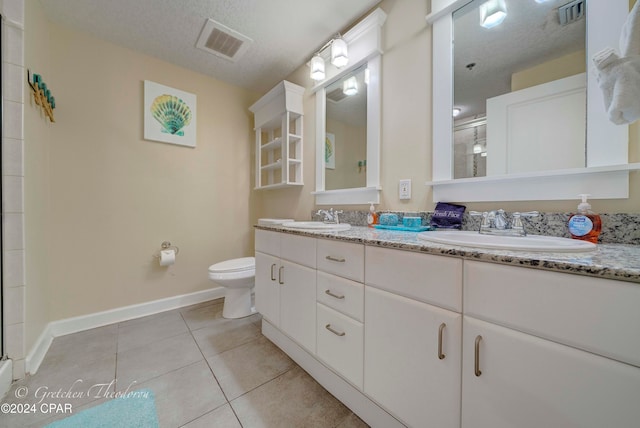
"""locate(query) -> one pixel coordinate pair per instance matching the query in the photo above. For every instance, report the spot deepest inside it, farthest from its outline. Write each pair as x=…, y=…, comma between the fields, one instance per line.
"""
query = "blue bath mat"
x=138, y=410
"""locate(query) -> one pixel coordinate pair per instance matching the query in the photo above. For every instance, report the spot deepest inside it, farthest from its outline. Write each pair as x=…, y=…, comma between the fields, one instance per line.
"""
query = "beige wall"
x=406, y=129
x=37, y=191
x=102, y=199
x=565, y=66
x=351, y=147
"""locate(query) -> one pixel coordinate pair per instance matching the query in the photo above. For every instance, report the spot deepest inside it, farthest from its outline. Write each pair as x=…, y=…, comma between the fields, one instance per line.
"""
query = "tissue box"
x=411, y=221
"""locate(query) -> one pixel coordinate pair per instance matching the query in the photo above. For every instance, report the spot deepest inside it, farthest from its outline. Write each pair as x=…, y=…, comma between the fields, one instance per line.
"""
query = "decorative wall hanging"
x=330, y=151
x=169, y=115
x=41, y=94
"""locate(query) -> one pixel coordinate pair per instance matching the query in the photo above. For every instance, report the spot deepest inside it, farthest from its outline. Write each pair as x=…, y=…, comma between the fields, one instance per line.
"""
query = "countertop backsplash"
x=616, y=228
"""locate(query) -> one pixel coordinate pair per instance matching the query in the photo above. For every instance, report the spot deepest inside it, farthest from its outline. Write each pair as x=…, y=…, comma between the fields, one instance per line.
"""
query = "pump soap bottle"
x=585, y=225
x=372, y=217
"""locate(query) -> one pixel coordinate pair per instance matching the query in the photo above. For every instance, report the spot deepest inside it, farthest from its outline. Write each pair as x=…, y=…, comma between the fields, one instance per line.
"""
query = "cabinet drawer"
x=268, y=242
x=298, y=249
x=341, y=349
x=341, y=294
x=341, y=258
x=430, y=279
x=598, y=315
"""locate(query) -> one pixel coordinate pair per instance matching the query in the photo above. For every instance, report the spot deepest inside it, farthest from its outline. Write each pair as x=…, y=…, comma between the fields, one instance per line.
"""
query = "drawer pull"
x=336, y=259
x=440, y=354
x=273, y=274
x=477, y=356
x=337, y=296
x=337, y=333
x=281, y=275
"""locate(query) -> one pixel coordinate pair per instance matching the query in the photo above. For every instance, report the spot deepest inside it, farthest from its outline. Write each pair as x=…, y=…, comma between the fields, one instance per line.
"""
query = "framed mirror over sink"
x=522, y=86
x=348, y=106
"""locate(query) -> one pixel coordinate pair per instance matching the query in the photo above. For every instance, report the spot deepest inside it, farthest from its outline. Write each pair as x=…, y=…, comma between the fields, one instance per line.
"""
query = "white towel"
x=619, y=77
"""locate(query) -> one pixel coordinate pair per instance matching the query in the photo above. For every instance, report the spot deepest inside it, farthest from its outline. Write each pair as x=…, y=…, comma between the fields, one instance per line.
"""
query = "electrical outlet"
x=405, y=189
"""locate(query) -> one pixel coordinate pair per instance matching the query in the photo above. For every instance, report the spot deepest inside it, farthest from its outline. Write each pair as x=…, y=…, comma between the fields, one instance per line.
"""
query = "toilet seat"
x=234, y=265
x=244, y=267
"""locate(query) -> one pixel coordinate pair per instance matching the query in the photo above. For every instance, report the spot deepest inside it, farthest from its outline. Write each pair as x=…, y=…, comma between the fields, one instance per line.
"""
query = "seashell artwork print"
x=172, y=113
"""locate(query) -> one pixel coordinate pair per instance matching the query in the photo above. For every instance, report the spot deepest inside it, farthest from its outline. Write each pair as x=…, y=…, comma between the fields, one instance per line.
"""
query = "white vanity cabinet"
x=286, y=284
x=549, y=349
x=413, y=348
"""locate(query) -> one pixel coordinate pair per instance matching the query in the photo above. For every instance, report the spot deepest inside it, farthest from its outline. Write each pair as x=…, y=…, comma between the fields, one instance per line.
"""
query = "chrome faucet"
x=330, y=216
x=497, y=223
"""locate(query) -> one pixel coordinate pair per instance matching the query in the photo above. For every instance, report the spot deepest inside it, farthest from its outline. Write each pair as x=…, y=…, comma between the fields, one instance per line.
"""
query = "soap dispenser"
x=372, y=217
x=585, y=225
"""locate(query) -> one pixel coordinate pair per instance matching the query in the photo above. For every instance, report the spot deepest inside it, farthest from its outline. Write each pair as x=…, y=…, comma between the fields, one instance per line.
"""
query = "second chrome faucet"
x=498, y=223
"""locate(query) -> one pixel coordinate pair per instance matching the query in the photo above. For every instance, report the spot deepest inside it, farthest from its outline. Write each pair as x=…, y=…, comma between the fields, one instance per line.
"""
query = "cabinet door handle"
x=336, y=332
x=336, y=259
x=440, y=354
x=477, y=356
x=337, y=296
x=281, y=275
x=273, y=274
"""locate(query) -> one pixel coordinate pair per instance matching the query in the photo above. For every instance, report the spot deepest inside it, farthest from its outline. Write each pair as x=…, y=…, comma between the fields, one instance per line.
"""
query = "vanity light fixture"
x=339, y=57
x=350, y=86
x=456, y=112
x=492, y=13
x=317, y=67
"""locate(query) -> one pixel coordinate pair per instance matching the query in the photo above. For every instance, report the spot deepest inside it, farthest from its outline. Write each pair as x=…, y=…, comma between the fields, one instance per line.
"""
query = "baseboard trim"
x=351, y=397
x=99, y=319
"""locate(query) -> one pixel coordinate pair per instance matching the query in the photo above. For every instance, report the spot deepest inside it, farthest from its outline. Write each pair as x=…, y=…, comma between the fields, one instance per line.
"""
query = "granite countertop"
x=612, y=261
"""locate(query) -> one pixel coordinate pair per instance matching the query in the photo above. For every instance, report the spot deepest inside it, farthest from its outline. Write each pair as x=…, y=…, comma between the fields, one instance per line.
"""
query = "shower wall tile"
x=13, y=156
x=13, y=301
x=13, y=10
x=15, y=340
x=13, y=80
x=13, y=269
x=12, y=194
x=13, y=231
x=12, y=126
x=14, y=52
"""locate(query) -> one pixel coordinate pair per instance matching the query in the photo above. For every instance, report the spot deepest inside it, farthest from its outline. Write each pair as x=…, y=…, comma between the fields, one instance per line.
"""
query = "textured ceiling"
x=285, y=33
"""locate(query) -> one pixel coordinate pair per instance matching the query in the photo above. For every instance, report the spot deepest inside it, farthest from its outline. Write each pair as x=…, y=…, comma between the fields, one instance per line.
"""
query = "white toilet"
x=237, y=276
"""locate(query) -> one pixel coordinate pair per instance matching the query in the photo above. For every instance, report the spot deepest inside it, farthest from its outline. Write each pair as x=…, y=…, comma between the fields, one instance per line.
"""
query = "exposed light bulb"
x=317, y=68
x=456, y=111
x=477, y=148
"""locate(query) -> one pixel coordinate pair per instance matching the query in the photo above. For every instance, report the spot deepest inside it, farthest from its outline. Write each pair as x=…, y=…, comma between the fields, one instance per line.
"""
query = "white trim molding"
x=99, y=319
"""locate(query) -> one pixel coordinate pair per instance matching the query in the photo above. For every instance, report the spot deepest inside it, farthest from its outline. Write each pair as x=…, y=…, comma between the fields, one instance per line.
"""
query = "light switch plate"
x=405, y=189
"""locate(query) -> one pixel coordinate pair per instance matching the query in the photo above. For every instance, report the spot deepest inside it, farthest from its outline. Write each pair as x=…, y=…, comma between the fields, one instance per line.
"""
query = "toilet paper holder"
x=166, y=245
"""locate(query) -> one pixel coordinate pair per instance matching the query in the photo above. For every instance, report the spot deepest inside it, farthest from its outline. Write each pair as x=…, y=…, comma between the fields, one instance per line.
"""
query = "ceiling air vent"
x=571, y=12
x=222, y=41
x=336, y=95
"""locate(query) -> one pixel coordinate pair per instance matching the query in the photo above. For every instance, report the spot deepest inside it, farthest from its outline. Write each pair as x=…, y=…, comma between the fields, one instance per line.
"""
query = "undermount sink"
x=316, y=226
x=513, y=243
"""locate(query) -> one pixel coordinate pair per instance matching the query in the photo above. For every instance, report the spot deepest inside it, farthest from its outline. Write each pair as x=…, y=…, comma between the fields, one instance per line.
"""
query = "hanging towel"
x=619, y=77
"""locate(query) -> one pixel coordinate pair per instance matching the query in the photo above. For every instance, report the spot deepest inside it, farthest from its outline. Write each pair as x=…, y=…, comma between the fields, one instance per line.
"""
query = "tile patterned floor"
x=205, y=371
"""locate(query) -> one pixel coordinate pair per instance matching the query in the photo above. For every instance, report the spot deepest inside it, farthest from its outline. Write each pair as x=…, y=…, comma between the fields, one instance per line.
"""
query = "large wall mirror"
x=348, y=121
x=521, y=91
